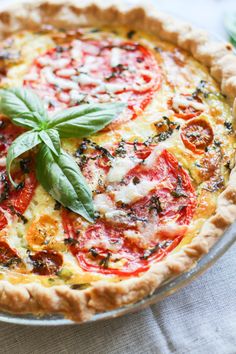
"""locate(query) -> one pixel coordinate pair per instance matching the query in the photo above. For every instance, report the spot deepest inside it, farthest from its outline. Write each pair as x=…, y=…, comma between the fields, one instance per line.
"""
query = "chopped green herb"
x=71, y=241
x=136, y=180
x=93, y=252
x=229, y=126
x=130, y=34
x=155, y=204
x=178, y=192
x=57, y=206
x=105, y=261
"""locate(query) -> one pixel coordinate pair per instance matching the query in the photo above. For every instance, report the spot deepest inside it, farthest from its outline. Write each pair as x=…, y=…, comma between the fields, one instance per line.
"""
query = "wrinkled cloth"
x=199, y=319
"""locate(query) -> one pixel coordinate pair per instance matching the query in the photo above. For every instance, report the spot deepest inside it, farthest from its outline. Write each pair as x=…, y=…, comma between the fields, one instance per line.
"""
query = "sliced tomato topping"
x=128, y=259
x=47, y=262
x=41, y=231
x=13, y=201
x=8, y=256
x=191, y=108
x=22, y=197
x=141, y=150
x=197, y=135
x=128, y=239
x=174, y=187
x=96, y=71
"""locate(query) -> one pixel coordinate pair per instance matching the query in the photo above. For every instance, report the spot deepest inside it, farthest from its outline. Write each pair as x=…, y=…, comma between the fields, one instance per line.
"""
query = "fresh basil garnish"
x=62, y=178
x=20, y=145
x=84, y=120
x=230, y=25
x=51, y=138
x=55, y=169
x=21, y=104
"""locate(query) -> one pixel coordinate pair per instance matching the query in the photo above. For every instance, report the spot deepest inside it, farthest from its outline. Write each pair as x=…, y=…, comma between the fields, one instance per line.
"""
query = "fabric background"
x=200, y=319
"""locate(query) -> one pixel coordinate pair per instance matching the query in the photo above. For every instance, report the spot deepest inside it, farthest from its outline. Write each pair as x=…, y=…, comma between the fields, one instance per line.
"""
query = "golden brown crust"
x=80, y=305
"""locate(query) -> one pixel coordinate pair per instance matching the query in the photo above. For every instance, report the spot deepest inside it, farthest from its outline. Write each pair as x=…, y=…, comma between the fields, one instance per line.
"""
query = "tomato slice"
x=43, y=229
x=8, y=256
x=188, y=110
x=96, y=71
x=13, y=201
x=119, y=246
x=16, y=201
x=141, y=150
x=197, y=135
x=22, y=197
x=47, y=262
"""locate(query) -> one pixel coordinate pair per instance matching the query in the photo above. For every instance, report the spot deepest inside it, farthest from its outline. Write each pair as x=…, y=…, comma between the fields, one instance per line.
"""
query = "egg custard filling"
x=155, y=171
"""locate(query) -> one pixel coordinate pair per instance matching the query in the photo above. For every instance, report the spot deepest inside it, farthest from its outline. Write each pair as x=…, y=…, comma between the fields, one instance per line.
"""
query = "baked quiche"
x=117, y=152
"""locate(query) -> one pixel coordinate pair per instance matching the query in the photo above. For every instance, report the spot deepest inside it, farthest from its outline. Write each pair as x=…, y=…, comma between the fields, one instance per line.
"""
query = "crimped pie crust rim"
x=81, y=305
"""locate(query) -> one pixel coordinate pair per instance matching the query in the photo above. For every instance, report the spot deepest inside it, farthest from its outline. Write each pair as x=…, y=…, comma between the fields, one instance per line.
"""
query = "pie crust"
x=81, y=305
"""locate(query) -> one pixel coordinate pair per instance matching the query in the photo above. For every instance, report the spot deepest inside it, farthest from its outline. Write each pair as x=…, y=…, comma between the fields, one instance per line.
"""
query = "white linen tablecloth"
x=198, y=319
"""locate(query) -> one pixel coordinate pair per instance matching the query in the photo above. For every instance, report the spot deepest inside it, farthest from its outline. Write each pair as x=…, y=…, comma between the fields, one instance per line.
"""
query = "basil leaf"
x=20, y=145
x=51, y=138
x=61, y=177
x=230, y=25
x=84, y=120
x=27, y=120
x=22, y=103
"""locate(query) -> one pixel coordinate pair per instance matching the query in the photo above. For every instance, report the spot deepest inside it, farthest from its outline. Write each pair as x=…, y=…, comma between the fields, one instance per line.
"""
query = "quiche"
x=160, y=175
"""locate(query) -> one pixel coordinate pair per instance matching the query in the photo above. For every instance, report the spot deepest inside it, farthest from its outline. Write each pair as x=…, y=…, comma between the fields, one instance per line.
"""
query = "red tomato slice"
x=3, y=220
x=141, y=150
x=12, y=201
x=197, y=135
x=46, y=262
x=112, y=251
x=17, y=201
x=8, y=256
x=96, y=71
x=22, y=198
x=173, y=190
x=186, y=112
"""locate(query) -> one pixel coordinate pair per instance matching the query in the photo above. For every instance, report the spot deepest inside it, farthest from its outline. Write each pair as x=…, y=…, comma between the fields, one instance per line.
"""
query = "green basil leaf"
x=22, y=103
x=51, y=138
x=61, y=177
x=230, y=23
x=20, y=145
x=27, y=120
x=233, y=40
x=84, y=120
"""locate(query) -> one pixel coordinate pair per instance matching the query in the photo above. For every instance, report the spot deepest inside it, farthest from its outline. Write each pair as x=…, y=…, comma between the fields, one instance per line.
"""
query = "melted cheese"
x=131, y=193
x=181, y=101
x=55, y=64
x=85, y=79
x=115, y=57
x=142, y=85
x=119, y=168
x=102, y=203
x=3, y=161
x=54, y=80
x=66, y=72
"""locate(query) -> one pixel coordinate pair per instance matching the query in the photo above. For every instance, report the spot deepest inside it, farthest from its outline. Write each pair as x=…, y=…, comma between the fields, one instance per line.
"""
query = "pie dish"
x=161, y=174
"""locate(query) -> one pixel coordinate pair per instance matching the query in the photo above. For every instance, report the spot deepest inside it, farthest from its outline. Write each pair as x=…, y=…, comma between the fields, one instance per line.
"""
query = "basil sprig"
x=230, y=25
x=56, y=170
